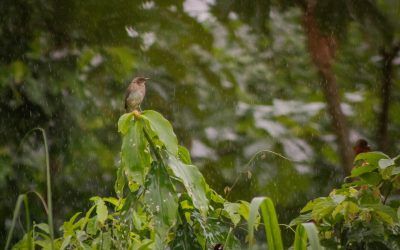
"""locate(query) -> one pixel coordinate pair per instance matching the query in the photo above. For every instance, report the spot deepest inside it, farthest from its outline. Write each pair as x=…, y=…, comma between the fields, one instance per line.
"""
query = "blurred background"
x=303, y=78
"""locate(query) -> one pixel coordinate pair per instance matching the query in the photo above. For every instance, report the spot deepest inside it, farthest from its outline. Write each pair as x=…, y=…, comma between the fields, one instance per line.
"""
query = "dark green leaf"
x=371, y=178
x=161, y=201
x=163, y=129
x=193, y=181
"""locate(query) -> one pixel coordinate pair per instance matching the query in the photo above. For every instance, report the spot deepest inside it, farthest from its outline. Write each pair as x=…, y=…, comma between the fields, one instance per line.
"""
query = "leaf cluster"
x=362, y=213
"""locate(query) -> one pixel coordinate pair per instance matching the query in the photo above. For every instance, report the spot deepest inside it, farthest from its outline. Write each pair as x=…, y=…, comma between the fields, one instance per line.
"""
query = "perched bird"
x=135, y=94
x=361, y=146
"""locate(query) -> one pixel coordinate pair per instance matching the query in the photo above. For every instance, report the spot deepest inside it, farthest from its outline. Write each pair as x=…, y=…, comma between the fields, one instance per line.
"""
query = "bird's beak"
x=147, y=78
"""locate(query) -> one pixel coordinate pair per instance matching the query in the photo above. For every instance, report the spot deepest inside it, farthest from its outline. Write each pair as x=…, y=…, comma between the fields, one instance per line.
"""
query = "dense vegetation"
x=236, y=78
x=164, y=201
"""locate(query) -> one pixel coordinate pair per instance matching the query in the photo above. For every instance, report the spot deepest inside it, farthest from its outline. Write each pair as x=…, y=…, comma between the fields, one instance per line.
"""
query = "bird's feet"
x=136, y=113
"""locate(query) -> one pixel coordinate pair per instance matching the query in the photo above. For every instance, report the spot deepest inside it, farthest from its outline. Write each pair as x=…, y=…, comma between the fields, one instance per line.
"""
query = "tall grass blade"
x=300, y=238
x=17, y=210
x=48, y=184
x=28, y=222
x=49, y=195
x=304, y=231
x=272, y=230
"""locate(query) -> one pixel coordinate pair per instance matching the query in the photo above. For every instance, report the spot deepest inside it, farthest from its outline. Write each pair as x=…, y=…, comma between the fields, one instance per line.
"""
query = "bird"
x=361, y=146
x=135, y=94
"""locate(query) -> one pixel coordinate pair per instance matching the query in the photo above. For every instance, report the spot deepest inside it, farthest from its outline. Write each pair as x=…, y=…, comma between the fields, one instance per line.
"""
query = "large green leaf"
x=368, y=162
x=371, y=157
x=163, y=129
x=135, y=158
x=162, y=202
x=193, y=181
x=272, y=231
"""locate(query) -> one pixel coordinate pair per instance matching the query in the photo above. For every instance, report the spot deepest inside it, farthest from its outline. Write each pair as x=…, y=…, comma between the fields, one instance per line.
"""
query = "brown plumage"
x=135, y=93
x=361, y=146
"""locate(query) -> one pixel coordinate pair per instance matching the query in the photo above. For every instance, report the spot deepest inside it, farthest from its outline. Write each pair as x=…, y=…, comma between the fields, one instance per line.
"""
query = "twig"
x=248, y=167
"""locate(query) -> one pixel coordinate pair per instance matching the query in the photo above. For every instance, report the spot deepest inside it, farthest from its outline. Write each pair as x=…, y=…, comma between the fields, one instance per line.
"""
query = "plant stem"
x=388, y=193
x=153, y=148
x=28, y=222
x=49, y=196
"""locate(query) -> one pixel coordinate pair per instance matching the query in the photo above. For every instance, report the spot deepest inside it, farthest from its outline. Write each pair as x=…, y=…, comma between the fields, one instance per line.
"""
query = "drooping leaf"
x=163, y=129
x=135, y=158
x=272, y=230
x=193, y=181
x=312, y=234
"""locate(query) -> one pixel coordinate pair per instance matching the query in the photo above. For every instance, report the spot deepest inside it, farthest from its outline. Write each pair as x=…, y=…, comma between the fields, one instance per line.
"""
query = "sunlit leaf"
x=384, y=163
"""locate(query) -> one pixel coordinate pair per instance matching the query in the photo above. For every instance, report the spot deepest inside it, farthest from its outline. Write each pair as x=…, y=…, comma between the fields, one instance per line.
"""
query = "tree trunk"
x=322, y=50
x=387, y=76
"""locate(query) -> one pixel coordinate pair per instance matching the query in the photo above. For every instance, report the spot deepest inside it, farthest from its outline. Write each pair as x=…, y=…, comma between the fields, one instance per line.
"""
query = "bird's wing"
x=126, y=97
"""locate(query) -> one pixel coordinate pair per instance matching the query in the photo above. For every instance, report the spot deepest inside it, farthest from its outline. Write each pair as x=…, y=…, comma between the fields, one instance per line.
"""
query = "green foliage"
x=360, y=213
x=170, y=205
x=168, y=202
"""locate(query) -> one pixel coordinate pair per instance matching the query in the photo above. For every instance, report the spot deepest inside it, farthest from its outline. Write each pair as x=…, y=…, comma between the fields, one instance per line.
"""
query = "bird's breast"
x=135, y=97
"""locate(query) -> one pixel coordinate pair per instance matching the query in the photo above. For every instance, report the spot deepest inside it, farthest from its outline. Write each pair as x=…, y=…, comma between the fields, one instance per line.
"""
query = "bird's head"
x=140, y=80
